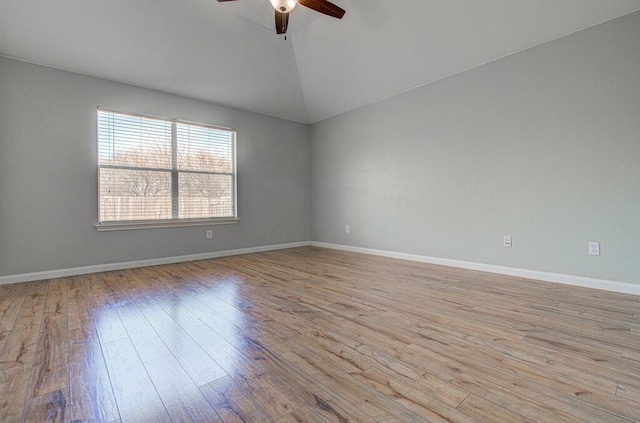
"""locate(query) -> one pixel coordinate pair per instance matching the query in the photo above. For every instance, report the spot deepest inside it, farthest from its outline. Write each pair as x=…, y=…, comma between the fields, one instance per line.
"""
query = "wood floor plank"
x=366, y=398
x=523, y=405
x=144, y=338
x=4, y=289
x=231, y=403
x=629, y=392
x=101, y=301
x=14, y=383
x=598, y=398
x=10, y=307
x=309, y=391
x=632, y=354
x=91, y=394
x=52, y=407
x=51, y=362
x=423, y=402
x=302, y=415
x=20, y=346
x=336, y=351
x=82, y=328
x=482, y=409
x=276, y=402
x=196, y=362
x=316, y=335
x=181, y=397
x=135, y=394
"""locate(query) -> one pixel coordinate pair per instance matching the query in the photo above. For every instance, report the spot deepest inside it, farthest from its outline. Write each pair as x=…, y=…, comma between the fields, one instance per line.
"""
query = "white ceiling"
x=228, y=53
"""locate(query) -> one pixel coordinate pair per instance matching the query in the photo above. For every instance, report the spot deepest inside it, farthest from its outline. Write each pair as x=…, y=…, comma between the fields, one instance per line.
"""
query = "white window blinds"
x=155, y=169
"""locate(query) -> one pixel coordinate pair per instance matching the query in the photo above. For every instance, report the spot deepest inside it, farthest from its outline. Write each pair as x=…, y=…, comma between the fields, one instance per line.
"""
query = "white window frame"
x=174, y=221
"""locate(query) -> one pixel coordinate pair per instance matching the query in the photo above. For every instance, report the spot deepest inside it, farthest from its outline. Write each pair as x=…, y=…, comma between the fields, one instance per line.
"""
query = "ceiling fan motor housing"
x=284, y=6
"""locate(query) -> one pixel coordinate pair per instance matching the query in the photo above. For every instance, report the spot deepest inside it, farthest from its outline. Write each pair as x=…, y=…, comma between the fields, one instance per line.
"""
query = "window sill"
x=157, y=224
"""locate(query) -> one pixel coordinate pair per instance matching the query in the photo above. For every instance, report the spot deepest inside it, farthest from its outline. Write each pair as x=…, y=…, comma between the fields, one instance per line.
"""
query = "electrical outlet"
x=209, y=234
x=594, y=248
x=346, y=229
x=506, y=241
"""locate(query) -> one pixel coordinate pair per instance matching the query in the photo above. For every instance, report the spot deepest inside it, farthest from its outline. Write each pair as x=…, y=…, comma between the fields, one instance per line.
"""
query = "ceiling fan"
x=283, y=7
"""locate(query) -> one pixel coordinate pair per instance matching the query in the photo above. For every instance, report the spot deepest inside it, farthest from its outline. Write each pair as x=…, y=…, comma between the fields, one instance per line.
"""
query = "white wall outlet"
x=209, y=234
x=346, y=229
x=594, y=248
x=506, y=241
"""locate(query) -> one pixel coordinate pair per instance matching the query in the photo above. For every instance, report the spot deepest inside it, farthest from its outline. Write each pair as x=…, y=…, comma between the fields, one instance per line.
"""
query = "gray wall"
x=543, y=145
x=48, y=193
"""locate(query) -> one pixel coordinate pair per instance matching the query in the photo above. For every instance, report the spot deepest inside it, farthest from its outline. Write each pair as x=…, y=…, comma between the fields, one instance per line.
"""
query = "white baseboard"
x=49, y=274
x=622, y=287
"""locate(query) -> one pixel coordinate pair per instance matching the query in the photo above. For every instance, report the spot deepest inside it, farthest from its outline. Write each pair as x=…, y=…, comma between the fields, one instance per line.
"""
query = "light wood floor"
x=315, y=335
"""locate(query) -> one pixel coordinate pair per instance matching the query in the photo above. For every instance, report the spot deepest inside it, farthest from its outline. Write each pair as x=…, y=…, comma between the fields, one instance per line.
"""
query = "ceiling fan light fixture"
x=284, y=6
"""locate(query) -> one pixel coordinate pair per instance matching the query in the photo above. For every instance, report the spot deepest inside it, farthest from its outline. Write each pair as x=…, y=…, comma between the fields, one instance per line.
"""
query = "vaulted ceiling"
x=228, y=53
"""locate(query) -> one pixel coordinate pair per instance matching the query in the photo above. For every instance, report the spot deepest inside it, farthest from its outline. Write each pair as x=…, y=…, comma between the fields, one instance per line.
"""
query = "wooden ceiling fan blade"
x=282, y=22
x=226, y=0
x=323, y=6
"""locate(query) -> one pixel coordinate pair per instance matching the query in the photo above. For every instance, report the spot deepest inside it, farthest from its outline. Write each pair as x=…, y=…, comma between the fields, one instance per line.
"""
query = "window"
x=163, y=172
